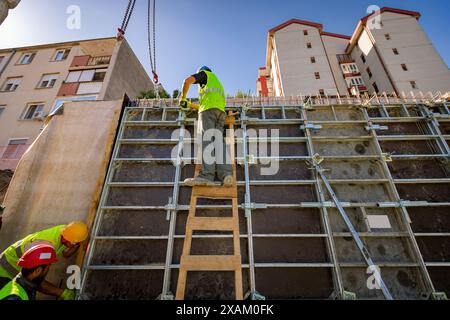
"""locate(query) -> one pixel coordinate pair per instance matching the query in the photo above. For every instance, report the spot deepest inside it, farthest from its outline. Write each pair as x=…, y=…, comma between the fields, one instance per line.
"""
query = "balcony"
x=344, y=58
x=88, y=61
x=352, y=74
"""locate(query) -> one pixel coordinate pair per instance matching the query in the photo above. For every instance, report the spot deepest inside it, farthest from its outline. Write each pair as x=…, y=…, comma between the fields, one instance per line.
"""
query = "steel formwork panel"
x=294, y=243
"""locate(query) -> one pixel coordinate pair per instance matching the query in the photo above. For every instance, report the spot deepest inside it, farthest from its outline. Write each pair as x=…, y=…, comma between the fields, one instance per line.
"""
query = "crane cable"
x=151, y=35
x=126, y=18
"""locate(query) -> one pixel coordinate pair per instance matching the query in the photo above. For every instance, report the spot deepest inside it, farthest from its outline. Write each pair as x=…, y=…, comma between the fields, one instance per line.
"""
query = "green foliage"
x=151, y=94
x=175, y=93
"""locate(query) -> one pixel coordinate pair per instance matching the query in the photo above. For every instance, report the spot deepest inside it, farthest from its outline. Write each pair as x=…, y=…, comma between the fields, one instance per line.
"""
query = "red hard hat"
x=41, y=254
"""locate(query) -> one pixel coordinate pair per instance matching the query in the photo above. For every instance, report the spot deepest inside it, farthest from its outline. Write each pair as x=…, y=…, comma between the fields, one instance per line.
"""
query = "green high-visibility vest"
x=212, y=95
x=10, y=257
x=13, y=289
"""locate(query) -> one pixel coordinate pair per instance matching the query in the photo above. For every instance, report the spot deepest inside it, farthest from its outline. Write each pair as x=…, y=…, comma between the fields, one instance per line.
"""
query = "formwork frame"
x=284, y=105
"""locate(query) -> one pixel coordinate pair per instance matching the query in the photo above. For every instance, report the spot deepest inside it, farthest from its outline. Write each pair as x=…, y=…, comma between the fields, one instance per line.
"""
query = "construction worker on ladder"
x=65, y=239
x=211, y=116
x=35, y=263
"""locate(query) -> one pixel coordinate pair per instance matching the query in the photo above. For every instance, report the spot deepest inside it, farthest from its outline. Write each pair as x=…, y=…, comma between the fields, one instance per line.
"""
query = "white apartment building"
x=388, y=52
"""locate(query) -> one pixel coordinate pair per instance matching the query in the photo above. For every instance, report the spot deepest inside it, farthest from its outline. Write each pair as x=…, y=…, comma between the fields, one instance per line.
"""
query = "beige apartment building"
x=388, y=52
x=35, y=81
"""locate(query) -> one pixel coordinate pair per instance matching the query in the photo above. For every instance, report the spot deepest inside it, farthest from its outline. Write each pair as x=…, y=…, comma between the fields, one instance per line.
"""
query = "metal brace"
x=348, y=295
x=170, y=207
x=310, y=126
x=317, y=159
x=376, y=127
x=168, y=296
x=254, y=296
x=439, y=296
x=250, y=159
x=254, y=206
x=386, y=157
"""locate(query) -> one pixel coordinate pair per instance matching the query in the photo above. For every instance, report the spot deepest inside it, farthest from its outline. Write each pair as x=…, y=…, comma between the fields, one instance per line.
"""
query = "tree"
x=151, y=94
x=175, y=93
x=242, y=94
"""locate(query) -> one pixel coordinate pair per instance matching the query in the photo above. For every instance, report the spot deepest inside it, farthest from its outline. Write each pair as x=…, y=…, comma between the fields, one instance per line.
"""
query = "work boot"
x=228, y=181
x=198, y=181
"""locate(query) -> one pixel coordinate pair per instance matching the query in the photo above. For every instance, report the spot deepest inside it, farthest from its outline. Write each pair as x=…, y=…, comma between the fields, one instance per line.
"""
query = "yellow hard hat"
x=75, y=232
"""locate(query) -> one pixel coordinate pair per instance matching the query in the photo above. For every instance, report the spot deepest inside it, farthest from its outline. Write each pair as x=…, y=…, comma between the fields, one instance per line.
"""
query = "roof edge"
x=296, y=21
x=56, y=44
x=335, y=35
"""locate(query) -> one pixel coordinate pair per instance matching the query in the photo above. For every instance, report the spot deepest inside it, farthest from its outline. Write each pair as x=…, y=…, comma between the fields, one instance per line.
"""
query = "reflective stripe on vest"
x=211, y=90
x=13, y=289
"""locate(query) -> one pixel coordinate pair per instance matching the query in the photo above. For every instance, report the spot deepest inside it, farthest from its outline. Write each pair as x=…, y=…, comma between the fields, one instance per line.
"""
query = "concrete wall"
x=127, y=75
x=297, y=71
x=425, y=65
x=333, y=47
x=60, y=177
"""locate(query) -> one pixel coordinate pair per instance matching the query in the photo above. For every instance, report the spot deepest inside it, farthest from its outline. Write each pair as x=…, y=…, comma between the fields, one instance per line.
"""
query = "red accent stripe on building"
x=296, y=21
x=264, y=89
x=329, y=34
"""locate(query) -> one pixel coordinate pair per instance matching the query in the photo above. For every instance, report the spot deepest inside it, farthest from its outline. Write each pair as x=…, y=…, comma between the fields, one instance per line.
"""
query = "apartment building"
x=35, y=81
x=388, y=52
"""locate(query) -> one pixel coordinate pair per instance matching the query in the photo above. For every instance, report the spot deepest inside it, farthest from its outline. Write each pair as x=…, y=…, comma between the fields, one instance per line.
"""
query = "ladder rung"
x=213, y=192
x=213, y=224
x=211, y=263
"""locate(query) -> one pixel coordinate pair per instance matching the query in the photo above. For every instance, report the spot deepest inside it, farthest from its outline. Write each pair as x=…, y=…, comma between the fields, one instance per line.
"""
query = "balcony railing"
x=96, y=61
x=89, y=61
x=345, y=58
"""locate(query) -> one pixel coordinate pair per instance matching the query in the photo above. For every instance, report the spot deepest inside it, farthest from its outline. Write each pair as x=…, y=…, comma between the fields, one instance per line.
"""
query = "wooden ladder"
x=213, y=262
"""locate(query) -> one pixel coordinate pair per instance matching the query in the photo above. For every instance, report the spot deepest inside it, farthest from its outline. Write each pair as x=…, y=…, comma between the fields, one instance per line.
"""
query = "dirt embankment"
x=5, y=178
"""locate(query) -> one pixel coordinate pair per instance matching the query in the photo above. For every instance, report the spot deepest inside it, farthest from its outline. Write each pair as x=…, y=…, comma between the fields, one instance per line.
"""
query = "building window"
x=94, y=75
x=353, y=68
x=321, y=92
x=308, y=45
x=2, y=108
x=13, y=149
x=375, y=87
x=313, y=60
x=1, y=59
x=12, y=84
x=369, y=72
x=317, y=75
x=48, y=81
x=27, y=58
x=305, y=32
x=99, y=76
x=404, y=67
x=33, y=111
x=387, y=36
x=413, y=84
x=395, y=51
x=61, y=54
x=363, y=58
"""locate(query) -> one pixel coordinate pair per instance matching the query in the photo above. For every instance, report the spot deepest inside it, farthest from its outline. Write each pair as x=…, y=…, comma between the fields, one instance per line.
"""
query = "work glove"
x=184, y=104
x=67, y=295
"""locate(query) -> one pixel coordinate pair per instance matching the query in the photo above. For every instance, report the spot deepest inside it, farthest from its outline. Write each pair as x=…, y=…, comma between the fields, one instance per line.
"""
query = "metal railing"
x=102, y=60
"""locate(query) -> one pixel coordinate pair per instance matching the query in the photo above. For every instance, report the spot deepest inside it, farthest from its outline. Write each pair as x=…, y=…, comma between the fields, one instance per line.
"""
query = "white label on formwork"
x=379, y=221
x=45, y=256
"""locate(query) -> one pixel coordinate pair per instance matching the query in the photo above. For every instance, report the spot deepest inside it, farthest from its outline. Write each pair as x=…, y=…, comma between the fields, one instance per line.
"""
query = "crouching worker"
x=65, y=239
x=35, y=263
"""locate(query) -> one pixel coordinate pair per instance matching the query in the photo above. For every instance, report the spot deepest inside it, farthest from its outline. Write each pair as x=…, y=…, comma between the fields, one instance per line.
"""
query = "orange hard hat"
x=75, y=232
x=38, y=255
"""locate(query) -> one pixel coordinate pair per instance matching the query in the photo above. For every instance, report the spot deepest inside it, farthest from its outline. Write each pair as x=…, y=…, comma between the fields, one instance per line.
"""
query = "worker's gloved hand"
x=68, y=295
x=184, y=104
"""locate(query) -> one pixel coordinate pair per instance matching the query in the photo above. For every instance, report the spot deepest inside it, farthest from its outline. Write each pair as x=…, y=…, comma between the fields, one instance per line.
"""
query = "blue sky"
x=229, y=35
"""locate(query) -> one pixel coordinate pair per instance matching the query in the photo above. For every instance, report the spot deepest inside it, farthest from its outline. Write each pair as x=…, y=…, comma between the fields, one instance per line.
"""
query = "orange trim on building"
x=296, y=21
x=336, y=35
